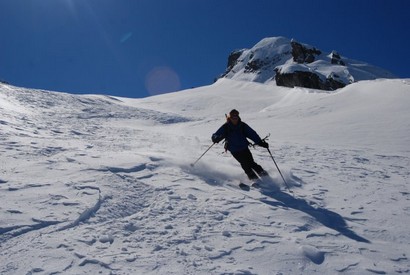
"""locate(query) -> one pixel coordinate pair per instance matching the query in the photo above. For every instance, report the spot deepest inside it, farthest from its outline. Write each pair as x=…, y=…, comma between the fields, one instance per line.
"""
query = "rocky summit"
x=289, y=63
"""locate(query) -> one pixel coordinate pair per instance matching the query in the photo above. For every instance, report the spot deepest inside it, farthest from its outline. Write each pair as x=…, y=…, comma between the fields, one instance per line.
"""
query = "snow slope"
x=94, y=184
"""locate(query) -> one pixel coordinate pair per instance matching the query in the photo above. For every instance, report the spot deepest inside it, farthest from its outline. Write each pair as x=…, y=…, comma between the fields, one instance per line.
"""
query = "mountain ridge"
x=289, y=63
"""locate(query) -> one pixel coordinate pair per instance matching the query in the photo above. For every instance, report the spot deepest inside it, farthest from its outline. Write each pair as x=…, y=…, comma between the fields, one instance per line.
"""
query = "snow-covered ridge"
x=289, y=63
x=39, y=102
x=94, y=184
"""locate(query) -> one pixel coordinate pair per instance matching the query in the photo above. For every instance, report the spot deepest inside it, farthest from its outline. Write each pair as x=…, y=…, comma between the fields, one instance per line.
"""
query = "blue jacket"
x=235, y=136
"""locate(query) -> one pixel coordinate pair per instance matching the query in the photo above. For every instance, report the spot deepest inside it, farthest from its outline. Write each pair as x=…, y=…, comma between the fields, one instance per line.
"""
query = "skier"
x=235, y=132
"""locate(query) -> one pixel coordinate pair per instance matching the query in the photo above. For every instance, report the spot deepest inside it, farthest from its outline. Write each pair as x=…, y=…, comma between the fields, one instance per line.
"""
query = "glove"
x=216, y=138
x=263, y=144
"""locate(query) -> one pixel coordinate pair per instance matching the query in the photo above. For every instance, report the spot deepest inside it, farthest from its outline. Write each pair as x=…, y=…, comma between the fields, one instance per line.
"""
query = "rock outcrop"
x=292, y=64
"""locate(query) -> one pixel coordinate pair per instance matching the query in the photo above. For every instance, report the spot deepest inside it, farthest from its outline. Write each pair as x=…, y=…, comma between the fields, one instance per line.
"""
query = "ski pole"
x=277, y=167
x=192, y=164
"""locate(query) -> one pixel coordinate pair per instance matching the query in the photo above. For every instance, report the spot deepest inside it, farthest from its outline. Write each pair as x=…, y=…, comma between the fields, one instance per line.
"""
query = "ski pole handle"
x=267, y=137
x=263, y=139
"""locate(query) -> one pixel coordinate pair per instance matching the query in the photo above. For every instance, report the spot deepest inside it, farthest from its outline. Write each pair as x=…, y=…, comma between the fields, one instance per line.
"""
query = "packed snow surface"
x=92, y=184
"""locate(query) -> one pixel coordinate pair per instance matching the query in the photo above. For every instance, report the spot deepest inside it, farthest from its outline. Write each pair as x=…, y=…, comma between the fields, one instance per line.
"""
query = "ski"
x=244, y=186
x=247, y=187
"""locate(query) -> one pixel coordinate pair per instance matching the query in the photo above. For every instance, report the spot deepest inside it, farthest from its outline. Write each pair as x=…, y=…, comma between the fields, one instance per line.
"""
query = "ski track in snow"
x=101, y=187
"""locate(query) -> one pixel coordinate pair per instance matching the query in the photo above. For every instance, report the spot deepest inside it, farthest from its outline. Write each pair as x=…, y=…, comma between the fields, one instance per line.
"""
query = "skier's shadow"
x=326, y=217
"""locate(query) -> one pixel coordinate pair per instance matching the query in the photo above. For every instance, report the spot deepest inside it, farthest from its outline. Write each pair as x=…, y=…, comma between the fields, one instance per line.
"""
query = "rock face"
x=290, y=63
x=233, y=59
x=307, y=80
x=302, y=54
x=336, y=59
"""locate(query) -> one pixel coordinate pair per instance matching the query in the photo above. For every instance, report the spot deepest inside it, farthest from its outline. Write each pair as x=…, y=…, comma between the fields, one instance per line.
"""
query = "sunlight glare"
x=161, y=80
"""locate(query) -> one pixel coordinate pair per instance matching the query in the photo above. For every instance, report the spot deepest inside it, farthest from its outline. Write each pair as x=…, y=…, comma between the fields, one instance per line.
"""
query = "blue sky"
x=137, y=48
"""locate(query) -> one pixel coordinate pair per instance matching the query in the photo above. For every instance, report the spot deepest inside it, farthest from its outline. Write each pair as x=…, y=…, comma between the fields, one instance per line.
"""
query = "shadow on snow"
x=324, y=216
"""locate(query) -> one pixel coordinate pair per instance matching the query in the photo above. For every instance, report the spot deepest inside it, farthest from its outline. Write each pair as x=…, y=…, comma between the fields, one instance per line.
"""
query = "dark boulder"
x=307, y=80
x=299, y=79
x=336, y=59
x=302, y=54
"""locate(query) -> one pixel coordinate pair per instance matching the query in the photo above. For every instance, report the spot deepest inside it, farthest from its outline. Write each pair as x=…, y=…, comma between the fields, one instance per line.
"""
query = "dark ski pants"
x=245, y=158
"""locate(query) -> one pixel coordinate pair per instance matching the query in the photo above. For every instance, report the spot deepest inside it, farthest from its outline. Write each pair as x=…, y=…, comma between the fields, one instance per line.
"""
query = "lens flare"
x=125, y=37
x=161, y=80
